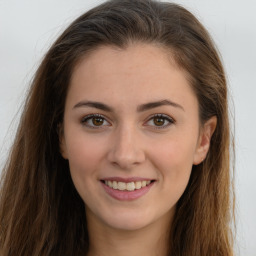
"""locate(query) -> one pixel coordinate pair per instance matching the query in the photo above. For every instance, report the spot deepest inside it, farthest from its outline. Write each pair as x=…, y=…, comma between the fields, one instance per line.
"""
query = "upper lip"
x=126, y=180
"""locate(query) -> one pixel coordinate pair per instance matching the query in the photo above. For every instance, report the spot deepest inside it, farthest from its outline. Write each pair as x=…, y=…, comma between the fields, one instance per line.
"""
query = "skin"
x=128, y=143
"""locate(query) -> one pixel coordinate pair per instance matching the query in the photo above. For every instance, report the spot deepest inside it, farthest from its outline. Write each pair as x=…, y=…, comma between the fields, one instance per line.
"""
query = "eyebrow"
x=156, y=104
x=141, y=108
x=94, y=104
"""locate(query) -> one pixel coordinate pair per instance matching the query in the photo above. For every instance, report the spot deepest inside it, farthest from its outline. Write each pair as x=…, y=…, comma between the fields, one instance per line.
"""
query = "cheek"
x=174, y=160
x=83, y=151
x=175, y=165
x=175, y=152
x=83, y=156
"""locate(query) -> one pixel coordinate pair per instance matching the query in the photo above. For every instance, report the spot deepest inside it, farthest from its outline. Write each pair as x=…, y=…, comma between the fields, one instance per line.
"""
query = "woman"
x=123, y=145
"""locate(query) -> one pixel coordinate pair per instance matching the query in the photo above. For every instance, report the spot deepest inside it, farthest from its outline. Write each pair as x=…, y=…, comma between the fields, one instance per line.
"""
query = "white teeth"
x=114, y=183
x=130, y=186
x=110, y=183
x=143, y=183
x=121, y=186
x=138, y=184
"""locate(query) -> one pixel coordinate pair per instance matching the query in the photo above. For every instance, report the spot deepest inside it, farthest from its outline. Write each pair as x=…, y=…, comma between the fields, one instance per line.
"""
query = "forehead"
x=140, y=72
x=128, y=57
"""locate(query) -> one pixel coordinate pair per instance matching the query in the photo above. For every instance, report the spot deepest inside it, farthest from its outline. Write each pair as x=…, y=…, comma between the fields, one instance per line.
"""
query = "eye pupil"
x=97, y=121
x=158, y=121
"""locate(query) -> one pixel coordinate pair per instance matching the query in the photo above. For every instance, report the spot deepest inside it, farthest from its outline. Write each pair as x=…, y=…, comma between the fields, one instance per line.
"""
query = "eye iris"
x=159, y=121
x=97, y=121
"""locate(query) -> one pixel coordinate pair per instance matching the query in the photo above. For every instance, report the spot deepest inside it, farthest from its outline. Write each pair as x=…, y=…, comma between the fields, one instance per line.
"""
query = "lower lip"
x=125, y=195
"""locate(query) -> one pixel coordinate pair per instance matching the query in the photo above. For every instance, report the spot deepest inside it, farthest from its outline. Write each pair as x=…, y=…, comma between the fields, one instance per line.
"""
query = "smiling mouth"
x=127, y=186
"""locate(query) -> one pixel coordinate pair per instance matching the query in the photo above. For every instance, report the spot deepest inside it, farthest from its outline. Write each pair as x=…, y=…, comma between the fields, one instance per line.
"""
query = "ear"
x=204, y=140
x=62, y=142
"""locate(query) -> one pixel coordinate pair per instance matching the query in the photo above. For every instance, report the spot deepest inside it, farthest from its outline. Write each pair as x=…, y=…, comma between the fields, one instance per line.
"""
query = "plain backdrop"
x=28, y=27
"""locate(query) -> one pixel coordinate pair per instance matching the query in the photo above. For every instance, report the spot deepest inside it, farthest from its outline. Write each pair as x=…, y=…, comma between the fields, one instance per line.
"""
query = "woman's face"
x=131, y=135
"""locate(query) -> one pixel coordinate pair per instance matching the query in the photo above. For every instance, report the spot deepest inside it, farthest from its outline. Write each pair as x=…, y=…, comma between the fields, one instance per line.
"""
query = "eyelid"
x=164, y=116
x=90, y=116
x=158, y=115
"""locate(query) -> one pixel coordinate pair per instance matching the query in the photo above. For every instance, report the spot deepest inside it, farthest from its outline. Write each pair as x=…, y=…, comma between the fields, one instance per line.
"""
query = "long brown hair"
x=40, y=211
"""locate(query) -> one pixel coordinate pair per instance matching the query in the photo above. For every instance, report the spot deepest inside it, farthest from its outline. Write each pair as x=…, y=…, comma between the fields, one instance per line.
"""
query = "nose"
x=126, y=150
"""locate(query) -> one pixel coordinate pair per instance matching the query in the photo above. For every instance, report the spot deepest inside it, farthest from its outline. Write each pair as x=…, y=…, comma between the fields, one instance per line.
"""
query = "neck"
x=152, y=240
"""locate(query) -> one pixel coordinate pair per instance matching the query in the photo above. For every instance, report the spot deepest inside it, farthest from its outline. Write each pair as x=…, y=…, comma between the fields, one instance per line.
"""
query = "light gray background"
x=28, y=27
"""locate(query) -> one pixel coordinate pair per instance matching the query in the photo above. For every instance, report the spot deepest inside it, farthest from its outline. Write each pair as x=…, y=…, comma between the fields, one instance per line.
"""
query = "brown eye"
x=159, y=121
x=97, y=121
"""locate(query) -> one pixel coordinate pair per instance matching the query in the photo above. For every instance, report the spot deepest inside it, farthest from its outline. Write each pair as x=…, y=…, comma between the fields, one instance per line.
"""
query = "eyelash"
x=167, y=118
x=87, y=118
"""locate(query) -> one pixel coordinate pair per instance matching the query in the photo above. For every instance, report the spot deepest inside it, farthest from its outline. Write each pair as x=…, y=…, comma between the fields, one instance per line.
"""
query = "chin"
x=128, y=220
x=128, y=224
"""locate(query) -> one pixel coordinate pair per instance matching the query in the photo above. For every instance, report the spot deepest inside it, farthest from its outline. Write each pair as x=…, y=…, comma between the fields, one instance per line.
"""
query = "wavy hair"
x=40, y=211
